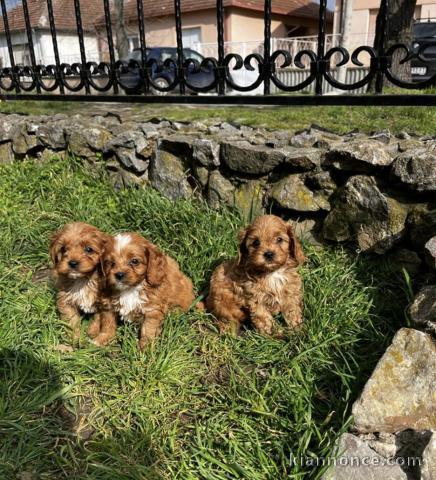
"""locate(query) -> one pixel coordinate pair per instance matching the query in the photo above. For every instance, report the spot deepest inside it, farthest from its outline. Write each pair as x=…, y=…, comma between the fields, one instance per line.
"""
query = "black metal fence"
x=112, y=80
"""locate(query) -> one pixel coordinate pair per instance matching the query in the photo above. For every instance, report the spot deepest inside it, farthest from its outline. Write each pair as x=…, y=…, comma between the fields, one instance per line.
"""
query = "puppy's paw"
x=102, y=339
x=93, y=329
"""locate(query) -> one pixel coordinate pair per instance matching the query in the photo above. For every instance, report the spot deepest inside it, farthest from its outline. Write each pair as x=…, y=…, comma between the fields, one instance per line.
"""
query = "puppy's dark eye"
x=256, y=243
x=88, y=249
x=134, y=261
x=63, y=250
x=279, y=239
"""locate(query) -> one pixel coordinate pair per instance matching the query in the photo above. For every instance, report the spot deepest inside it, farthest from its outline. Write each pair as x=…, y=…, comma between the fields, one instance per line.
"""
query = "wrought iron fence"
x=136, y=79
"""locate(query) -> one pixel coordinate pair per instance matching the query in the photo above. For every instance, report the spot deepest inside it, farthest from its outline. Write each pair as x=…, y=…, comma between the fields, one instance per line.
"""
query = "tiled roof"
x=64, y=14
x=295, y=8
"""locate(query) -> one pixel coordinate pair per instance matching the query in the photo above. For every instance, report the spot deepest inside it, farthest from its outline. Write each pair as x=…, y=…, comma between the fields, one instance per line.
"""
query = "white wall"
x=68, y=46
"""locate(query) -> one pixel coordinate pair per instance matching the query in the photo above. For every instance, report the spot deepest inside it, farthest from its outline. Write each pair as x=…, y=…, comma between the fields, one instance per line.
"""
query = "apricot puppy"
x=77, y=254
x=144, y=284
x=262, y=281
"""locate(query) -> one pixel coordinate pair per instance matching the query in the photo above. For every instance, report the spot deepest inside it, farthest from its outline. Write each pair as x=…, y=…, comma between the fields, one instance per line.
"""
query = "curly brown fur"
x=263, y=281
x=77, y=252
x=144, y=284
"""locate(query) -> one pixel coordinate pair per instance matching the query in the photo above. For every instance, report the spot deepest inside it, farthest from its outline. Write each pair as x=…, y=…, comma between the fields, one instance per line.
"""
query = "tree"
x=344, y=42
x=399, y=30
x=122, y=42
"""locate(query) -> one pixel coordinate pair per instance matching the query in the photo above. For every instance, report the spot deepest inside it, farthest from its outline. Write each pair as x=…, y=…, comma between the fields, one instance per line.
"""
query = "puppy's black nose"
x=268, y=255
x=73, y=263
x=119, y=275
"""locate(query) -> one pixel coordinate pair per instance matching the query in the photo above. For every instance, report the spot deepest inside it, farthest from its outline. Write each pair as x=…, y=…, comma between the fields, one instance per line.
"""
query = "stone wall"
x=377, y=192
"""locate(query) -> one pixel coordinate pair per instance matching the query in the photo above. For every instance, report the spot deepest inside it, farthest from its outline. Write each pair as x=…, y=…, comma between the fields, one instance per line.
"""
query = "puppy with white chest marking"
x=77, y=252
x=262, y=282
x=144, y=284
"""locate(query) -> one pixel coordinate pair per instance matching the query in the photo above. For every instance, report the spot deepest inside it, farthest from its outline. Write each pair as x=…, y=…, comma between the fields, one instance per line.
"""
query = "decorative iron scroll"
x=95, y=78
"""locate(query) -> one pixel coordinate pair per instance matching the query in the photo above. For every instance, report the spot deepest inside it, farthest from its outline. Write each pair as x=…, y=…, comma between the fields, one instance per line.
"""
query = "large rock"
x=52, y=135
x=314, y=137
x=430, y=252
x=361, y=212
x=6, y=153
x=206, y=152
x=416, y=170
x=400, y=393
x=428, y=467
x=128, y=158
x=220, y=191
x=249, y=199
x=168, y=176
x=302, y=158
x=250, y=159
x=24, y=142
x=359, y=155
x=423, y=308
x=291, y=192
x=87, y=141
x=356, y=460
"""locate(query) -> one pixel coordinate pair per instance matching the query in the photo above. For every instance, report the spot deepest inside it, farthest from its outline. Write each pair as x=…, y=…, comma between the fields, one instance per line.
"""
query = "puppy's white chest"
x=83, y=296
x=276, y=281
x=130, y=301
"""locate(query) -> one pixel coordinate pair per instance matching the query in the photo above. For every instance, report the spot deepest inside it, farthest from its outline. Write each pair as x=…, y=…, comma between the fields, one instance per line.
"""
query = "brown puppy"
x=262, y=282
x=77, y=254
x=144, y=284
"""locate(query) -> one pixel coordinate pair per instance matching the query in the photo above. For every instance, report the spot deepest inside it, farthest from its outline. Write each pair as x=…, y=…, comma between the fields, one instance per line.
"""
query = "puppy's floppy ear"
x=156, y=266
x=106, y=244
x=55, y=247
x=295, y=248
x=242, y=249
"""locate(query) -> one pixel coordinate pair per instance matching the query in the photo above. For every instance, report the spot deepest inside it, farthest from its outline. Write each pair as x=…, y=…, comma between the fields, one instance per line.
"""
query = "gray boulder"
x=220, y=191
x=252, y=159
x=356, y=460
x=128, y=158
x=430, y=252
x=291, y=192
x=6, y=153
x=314, y=137
x=206, y=152
x=428, y=468
x=423, y=308
x=249, y=198
x=86, y=140
x=416, y=170
x=302, y=158
x=168, y=176
x=52, y=135
x=361, y=212
x=24, y=142
x=358, y=155
x=400, y=393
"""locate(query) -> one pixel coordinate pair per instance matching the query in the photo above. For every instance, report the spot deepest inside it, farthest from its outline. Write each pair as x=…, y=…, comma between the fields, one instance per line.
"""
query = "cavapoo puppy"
x=77, y=254
x=144, y=284
x=262, y=281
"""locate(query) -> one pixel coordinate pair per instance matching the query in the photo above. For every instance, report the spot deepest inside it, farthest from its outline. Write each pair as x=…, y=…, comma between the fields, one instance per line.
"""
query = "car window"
x=188, y=53
x=422, y=30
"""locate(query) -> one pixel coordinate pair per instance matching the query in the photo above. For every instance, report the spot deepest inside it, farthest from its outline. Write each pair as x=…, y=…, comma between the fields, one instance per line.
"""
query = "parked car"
x=132, y=81
x=424, y=32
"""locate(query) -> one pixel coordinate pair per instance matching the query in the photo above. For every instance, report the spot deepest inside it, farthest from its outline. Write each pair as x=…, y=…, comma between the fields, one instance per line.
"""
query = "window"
x=133, y=42
x=191, y=37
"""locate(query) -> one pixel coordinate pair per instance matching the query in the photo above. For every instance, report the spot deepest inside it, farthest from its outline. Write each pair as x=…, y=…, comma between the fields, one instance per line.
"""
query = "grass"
x=341, y=119
x=196, y=406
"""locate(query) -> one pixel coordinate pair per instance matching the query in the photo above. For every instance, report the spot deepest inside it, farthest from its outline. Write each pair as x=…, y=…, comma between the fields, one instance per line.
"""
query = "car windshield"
x=136, y=54
x=424, y=30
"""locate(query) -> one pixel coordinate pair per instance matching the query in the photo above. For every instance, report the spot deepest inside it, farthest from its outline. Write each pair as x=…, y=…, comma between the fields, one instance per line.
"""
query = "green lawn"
x=341, y=119
x=197, y=406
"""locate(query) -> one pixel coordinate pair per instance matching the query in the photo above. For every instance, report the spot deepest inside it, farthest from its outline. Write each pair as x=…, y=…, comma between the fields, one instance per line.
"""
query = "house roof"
x=295, y=8
x=64, y=15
